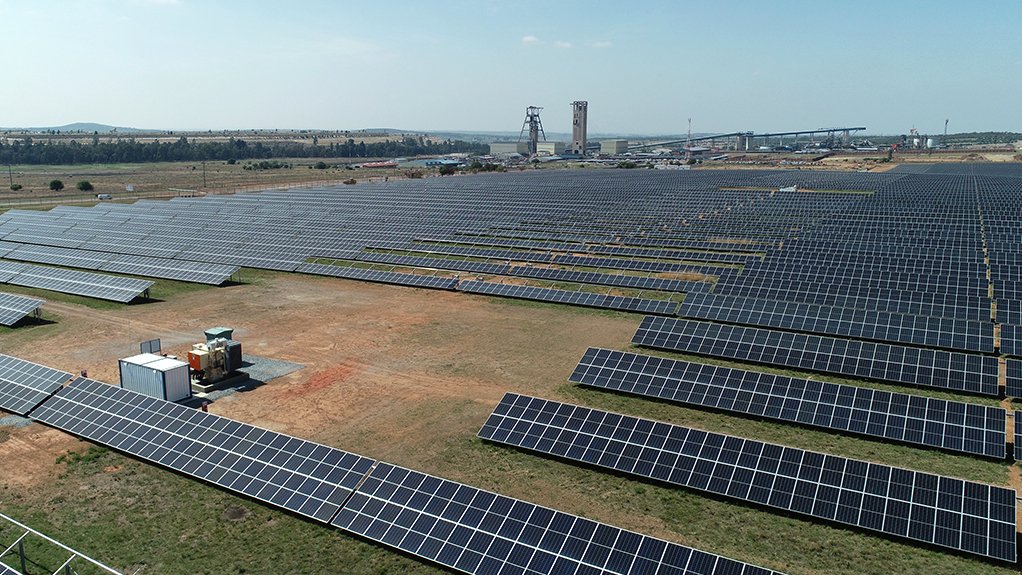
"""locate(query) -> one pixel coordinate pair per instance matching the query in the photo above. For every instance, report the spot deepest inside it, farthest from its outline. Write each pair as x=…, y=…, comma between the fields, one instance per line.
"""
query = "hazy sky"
x=644, y=67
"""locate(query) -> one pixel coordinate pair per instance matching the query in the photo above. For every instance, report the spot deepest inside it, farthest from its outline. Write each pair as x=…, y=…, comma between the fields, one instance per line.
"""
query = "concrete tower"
x=578, y=127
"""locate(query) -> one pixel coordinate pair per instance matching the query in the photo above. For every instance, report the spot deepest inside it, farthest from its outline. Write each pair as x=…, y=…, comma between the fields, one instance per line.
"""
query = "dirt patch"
x=29, y=455
x=236, y=513
x=389, y=368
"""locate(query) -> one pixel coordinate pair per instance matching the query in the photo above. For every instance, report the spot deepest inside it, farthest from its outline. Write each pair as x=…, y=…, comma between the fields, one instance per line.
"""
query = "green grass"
x=132, y=515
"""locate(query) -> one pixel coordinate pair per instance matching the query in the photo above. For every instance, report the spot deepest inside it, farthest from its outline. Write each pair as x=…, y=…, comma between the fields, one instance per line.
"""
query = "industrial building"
x=613, y=147
x=552, y=148
x=506, y=148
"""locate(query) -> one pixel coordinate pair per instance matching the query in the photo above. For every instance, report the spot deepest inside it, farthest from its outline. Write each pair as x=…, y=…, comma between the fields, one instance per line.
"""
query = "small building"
x=613, y=147
x=156, y=376
x=552, y=148
x=507, y=148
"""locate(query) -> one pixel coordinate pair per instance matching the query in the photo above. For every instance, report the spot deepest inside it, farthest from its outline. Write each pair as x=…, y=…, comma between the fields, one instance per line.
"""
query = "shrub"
x=84, y=186
x=15, y=187
x=56, y=185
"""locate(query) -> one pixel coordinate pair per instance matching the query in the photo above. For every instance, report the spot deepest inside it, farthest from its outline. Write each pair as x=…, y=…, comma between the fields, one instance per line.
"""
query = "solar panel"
x=620, y=280
x=80, y=283
x=416, y=280
x=924, y=367
x=1011, y=339
x=479, y=532
x=180, y=270
x=14, y=307
x=23, y=384
x=306, y=478
x=59, y=256
x=914, y=419
x=928, y=331
x=580, y=298
x=1018, y=438
x=10, y=269
x=1013, y=379
x=1009, y=311
x=962, y=515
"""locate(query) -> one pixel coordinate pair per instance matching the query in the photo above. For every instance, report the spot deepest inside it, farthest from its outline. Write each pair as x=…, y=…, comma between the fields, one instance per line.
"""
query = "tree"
x=447, y=170
x=56, y=185
x=84, y=186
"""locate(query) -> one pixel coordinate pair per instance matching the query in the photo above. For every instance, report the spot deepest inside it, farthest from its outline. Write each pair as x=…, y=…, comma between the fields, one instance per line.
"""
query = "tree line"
x=130, y=151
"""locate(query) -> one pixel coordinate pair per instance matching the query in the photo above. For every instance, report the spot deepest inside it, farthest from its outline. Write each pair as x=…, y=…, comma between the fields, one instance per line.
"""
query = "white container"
x=156, y=376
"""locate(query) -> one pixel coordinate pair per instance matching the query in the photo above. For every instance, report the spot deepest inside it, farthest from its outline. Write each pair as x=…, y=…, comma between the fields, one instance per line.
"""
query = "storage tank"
x=931, y=143
x=156, y=376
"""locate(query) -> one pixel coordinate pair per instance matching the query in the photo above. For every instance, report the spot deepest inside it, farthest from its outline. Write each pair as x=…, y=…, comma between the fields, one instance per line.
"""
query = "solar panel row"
x=943, y=511
x=416, y=280
x=924, y=331
x=306, y=478
x=453, y=524
x=14, y=307
x=181, y=270
x=918, y=420
x=23, y=384
x=580, y=298
x=898, y=364
x=480, y=532
x=81, y=283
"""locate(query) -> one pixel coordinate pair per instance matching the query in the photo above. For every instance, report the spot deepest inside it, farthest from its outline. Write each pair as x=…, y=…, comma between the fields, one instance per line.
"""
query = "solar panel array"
x=14, y=307
x=416, y=280
x=306, y=478
x=75, y=282
x=896, y=284
x=962, y=515
x=24, y=385
x=475, y=531
x=914, y=419
x=897, y=364
x=181, y=270
x=462, y=527
x=580, y=298
x=927, y=331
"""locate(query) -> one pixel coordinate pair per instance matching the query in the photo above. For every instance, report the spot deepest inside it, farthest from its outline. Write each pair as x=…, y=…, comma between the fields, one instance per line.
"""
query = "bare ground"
x=389, y=370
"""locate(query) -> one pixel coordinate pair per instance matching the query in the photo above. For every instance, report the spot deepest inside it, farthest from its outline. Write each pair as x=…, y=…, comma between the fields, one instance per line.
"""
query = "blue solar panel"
x=962, y=515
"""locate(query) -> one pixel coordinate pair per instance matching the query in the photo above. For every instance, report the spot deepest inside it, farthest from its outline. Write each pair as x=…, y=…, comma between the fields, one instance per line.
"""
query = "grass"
x=166, y=179
x=134, y=516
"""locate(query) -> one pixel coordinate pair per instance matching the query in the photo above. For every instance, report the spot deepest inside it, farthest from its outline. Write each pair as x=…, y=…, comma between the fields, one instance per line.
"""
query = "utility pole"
x=10, y=174
x=203, y=173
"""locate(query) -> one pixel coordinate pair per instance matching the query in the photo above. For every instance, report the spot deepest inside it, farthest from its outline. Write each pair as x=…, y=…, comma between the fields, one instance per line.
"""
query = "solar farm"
x=590, y=371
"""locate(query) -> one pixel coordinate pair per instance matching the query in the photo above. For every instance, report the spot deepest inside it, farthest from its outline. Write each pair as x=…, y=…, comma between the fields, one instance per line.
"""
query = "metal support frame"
x=66, y=566
x=534, y=126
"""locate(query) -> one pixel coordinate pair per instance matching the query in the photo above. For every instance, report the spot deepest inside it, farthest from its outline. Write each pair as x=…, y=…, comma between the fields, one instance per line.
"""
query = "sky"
x=475, y=65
